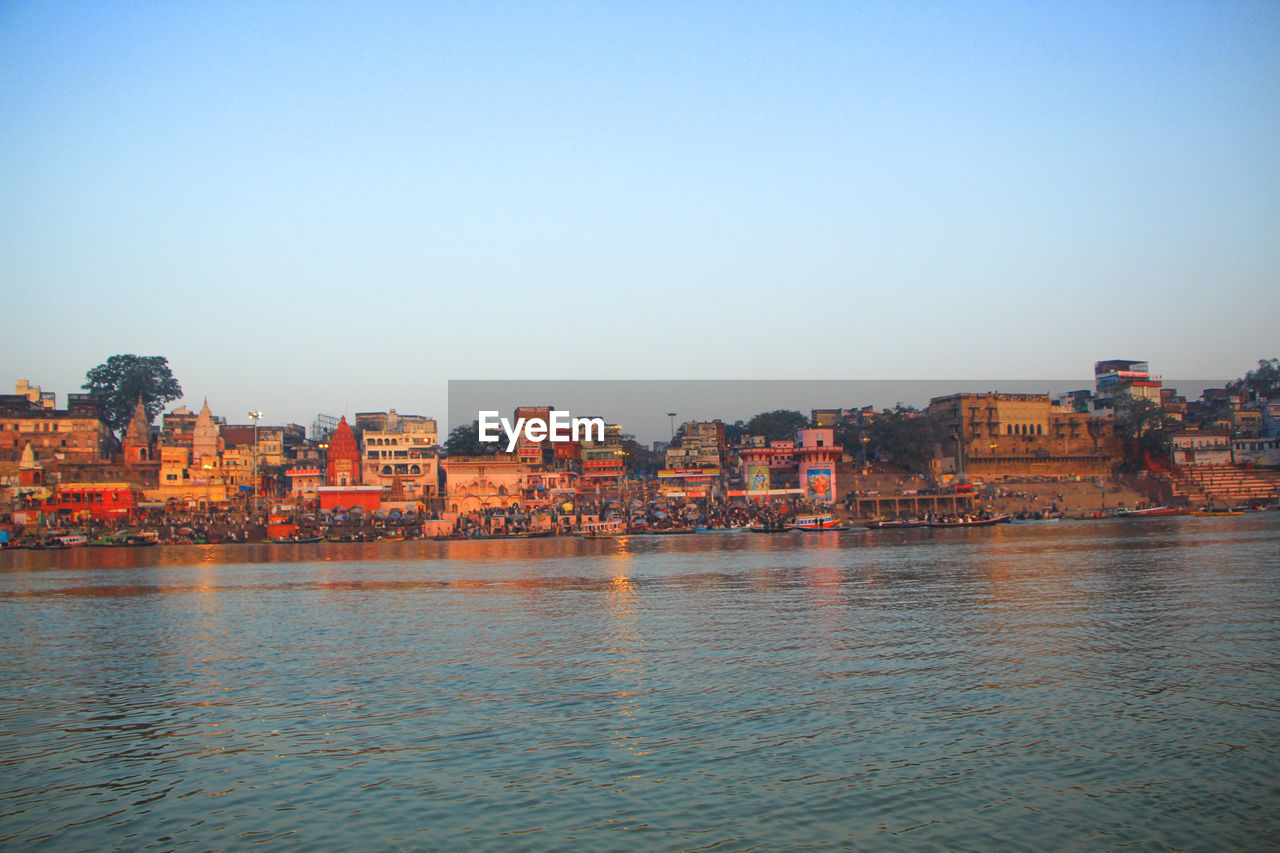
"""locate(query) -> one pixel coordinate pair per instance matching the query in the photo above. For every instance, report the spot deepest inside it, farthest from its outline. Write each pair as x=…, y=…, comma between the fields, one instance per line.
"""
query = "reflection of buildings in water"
x=624, y=643
x=828, y=598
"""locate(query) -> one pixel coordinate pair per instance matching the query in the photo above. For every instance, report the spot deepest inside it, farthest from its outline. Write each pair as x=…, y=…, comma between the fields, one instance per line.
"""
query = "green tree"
x=1143, y=425
x=777, y=425
x=465, y=440
x=734, y=432
x=122, y=379
x=907, y=436
x=640, y=460
x=1263, y=383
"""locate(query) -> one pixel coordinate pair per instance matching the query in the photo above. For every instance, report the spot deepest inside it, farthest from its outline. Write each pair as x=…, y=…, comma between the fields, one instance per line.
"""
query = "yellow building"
x=193, y=484
x=485, y=482
x=991, y=436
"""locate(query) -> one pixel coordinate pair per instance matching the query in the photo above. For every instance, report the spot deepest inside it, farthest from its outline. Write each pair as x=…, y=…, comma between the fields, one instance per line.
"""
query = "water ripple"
x=1088, y=686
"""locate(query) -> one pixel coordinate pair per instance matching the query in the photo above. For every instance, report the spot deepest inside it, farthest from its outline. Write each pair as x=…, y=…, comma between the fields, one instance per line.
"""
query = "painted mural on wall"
x=817, y=485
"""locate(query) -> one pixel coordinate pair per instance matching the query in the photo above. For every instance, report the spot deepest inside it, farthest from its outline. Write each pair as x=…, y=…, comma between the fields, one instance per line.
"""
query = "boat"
x=824, y=521
x=123, y=540
x=66, y=540
x=603, y=529
x=1211, y=513
x=670, y=531
x=1040, y=518
x=896, y=523
x=776, y=527
x=1152, y=512
x=965, y=521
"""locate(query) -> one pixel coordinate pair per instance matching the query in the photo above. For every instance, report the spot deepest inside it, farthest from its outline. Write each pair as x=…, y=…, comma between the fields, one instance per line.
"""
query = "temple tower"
x=206, y=438
x=343, y=459
x=137, y=437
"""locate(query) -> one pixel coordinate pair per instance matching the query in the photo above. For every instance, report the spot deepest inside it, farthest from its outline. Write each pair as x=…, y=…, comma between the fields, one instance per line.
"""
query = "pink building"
x=816, y=455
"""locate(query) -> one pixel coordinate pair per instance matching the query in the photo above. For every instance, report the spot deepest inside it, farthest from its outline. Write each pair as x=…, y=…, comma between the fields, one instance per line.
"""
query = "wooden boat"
x=66, y=540
x=1153, y=512
x=603, y=529
x=821, y=522
x=1212, y=513
x=1047, y=519
x=768, y=528
x=971, y=522
x=896, y=523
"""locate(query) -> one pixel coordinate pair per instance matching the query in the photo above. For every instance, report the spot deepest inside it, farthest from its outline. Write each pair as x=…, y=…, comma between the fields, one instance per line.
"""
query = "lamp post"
x=255, y=416
x=672, y=415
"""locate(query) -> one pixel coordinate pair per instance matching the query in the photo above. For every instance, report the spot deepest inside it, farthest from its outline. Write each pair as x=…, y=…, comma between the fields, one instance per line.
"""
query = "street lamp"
x=255, y=416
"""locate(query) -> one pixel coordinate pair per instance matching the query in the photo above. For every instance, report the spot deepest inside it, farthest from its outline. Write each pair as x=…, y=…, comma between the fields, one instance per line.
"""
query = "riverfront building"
x=402, y=453
x=816, y=456
x=993, y=436
x=74, y=434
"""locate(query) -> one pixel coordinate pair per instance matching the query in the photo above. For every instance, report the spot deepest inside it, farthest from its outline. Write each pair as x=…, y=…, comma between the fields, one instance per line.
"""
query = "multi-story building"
x=1119, y=376
x=188, y=481
x=393, y=421
x=816, y=456
x=534, y=452
x=477, y=483
x=1201, y=447
x=400, y=454
x=74, y=434
x=701, y=446
x=268, y=441
x=1017, y=435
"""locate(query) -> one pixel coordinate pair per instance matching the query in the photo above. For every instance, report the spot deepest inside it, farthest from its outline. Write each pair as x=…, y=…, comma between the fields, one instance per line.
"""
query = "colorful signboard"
x=817, y=485
x=757, y=477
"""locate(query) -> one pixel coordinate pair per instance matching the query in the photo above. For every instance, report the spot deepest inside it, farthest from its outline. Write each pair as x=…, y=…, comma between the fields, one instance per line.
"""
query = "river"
x=1082, y=685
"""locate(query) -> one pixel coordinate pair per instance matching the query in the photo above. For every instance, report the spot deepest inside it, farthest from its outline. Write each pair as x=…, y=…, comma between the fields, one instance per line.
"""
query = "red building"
x=343, y=457
x=345, y=498
x=99, y=501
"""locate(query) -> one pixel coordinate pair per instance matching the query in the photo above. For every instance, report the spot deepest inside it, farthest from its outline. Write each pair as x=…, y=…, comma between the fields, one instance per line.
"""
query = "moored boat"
x=66, y=540
x=966, y=521
x=824, y=521
x=1153, y=512
x=776, y=527
x=603, y=529
x=896, y=523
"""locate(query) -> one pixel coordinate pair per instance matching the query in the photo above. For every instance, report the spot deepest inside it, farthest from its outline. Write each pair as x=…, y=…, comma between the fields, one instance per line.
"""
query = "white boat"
x=824, y=521
x=66, y=540
x=604, y=529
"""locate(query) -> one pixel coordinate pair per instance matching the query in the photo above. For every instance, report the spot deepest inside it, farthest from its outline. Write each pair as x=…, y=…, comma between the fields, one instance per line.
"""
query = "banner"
x=757, y=478
x=817, y=485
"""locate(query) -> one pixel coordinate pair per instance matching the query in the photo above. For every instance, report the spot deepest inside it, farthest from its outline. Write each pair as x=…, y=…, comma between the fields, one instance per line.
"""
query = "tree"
x=777, y=425
x=123, y=379
x=1141, y=423
x=907, y=436
x=465, y=440
x=734, y=432
x=1263, y=383
x=640, y=460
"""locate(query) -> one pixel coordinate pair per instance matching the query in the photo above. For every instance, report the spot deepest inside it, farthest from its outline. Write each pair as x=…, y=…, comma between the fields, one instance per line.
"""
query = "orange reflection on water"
x=625, y=643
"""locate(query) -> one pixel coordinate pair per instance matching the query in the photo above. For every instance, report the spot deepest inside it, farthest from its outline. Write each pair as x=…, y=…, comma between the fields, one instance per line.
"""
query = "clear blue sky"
x=327, y=208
